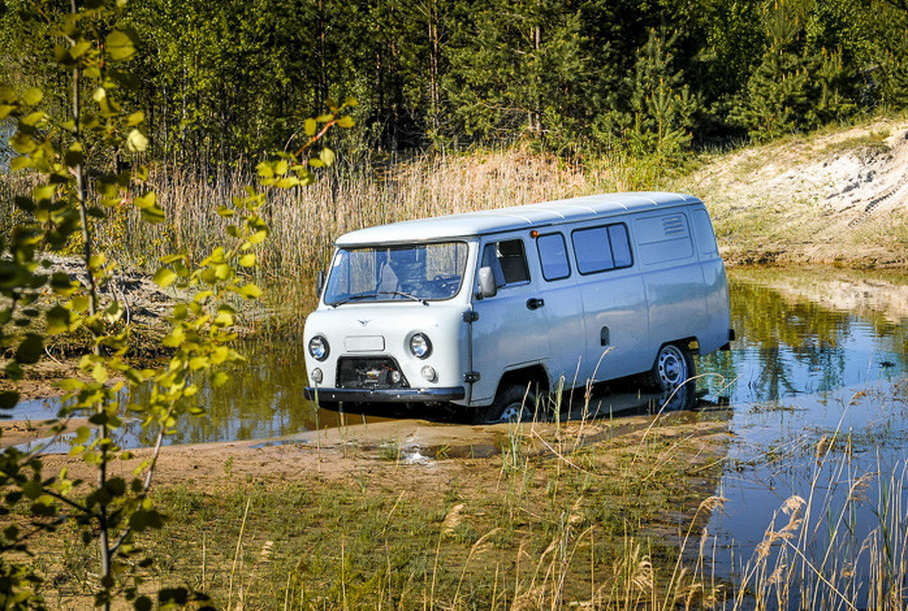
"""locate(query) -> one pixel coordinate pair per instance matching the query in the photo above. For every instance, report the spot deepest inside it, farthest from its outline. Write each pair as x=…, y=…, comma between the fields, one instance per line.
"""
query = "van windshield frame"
x=422, y=272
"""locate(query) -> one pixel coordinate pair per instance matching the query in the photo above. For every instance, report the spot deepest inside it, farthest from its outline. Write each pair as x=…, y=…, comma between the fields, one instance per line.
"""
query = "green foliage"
x=658, y=118
x=795, y=87
x=74, y=190
x=559, y=74
x=891, y=25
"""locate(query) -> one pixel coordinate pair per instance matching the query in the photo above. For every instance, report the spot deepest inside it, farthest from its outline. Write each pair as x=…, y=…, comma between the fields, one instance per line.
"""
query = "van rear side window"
x=553, y=256
x=600, y=249
x=663, y=238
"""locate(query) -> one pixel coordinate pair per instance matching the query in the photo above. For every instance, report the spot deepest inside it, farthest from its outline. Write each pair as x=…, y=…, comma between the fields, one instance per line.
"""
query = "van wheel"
x=514, y=403
x=674, y=365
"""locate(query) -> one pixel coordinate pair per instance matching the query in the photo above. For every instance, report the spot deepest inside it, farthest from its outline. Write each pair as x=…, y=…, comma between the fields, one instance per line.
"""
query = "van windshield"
x=416, y=272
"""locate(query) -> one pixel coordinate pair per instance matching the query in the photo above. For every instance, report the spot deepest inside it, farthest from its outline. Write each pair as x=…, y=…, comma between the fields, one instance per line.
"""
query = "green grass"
x=539, y=526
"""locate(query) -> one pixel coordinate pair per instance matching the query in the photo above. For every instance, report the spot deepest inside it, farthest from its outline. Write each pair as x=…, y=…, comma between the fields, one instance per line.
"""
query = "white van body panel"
x=589, y=288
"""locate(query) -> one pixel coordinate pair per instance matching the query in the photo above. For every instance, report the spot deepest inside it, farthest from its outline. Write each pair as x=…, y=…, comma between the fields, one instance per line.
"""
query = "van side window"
x=599, y=249
x=508, y=262
x=553, y=256
x=621, y=245
x=704, y=229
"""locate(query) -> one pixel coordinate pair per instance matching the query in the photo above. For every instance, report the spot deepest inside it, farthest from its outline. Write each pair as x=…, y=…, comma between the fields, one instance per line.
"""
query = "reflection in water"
x=261, y=400
x=819, y=405
x=789, y=347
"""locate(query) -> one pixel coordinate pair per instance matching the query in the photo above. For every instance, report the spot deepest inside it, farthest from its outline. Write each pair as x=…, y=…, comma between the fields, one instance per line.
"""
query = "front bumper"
x=391, y=395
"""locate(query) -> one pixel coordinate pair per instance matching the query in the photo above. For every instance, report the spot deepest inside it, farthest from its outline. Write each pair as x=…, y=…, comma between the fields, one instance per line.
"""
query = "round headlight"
x=420, y=346
x=318, y=348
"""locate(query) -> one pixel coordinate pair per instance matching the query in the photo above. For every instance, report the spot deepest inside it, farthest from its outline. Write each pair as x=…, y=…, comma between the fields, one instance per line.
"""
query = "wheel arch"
x=692, y=344
x=532, y=374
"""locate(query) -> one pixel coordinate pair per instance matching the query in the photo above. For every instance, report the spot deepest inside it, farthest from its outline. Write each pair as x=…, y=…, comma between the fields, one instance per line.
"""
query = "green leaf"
x=33, y=119
x=219, y=378
x=20, y=163
x=346, y=122
x=327, y=156
x=33, y=96
x=79, y=49
x=32, y=489
x=223, y=271
x=99, y=373
x=153, y=214
x=73, y=158
x=168, y=259
x=250, y=291
x=247, y=260
x=310, y=126
x=265, y=170
x=164, y=277
x=23, y=143
x=145, y=201
x=8, y=399
x=135, y=118
x=324, y=118
x=58, y=320
x=136, y=141
x=29, y=351
x=120, y=46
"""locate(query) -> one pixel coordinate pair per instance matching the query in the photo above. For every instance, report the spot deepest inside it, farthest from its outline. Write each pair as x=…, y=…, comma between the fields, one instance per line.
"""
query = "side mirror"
x=319, y=283
x=487, y=285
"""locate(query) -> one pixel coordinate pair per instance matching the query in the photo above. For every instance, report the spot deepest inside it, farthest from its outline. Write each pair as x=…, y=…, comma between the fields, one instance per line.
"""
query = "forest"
x=225, y=81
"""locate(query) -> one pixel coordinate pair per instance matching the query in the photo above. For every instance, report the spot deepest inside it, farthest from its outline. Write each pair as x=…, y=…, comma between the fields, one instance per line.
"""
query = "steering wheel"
x=444, y=282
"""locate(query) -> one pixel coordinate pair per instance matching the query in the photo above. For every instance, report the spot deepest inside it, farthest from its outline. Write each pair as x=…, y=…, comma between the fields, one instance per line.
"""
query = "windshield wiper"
x=407, y=295
x=376, y=294
x=354, y=298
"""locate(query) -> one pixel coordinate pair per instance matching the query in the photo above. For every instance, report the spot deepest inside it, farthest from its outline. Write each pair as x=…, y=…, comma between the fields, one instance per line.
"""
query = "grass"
x=590, y=514
x=305, y=222
x=541, y=525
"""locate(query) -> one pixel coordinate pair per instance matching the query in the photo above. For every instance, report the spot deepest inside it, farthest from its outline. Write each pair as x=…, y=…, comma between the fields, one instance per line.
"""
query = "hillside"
x=831, y=198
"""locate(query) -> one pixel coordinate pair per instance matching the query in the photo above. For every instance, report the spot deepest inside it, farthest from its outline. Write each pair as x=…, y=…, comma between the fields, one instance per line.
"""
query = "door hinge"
x=470, y=317
x=471, y=377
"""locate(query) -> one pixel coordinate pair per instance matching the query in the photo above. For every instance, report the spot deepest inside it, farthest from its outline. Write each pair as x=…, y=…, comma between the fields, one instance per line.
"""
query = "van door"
x=564, y=311
x=614, y=302
x=510, y=330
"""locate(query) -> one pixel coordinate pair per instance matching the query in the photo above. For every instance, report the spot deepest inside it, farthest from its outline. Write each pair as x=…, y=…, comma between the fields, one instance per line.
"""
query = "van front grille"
x=369, y=373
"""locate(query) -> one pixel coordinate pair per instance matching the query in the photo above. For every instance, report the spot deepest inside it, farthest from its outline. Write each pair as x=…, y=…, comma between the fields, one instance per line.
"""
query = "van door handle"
x=534, y=304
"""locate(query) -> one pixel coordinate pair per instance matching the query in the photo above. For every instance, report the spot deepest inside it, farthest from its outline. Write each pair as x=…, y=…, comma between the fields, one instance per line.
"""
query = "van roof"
x=516, y=217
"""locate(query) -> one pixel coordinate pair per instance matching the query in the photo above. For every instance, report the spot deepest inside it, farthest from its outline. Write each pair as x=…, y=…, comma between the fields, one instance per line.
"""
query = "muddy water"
x=803, y=336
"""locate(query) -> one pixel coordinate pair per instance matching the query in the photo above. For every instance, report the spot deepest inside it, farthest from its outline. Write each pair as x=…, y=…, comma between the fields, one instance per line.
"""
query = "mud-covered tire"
x=513, y=403
x=674, y=365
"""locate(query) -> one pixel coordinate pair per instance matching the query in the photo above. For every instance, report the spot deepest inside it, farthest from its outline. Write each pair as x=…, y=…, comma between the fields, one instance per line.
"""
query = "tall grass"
x=306, y=221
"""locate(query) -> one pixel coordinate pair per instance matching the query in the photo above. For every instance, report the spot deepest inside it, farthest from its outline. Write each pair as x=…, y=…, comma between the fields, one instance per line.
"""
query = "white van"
x=475, y=309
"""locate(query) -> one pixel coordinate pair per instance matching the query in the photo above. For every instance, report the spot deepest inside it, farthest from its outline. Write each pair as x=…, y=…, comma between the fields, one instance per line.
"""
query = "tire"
x=512, y=404
x=673, y=367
